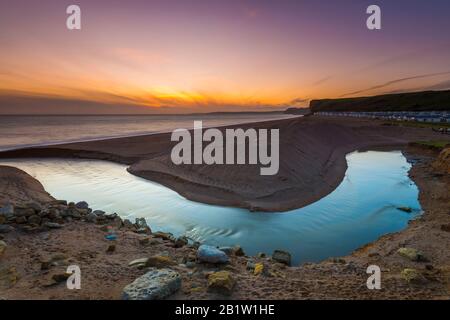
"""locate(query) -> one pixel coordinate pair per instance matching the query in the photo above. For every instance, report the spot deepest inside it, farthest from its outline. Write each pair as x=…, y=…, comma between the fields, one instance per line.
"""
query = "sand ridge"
x=312, y=161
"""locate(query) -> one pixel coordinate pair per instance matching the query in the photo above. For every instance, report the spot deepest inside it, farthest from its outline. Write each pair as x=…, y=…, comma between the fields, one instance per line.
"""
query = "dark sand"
x=312, y=161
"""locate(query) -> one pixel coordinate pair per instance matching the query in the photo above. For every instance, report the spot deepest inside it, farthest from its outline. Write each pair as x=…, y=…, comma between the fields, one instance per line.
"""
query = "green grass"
x=434, y=144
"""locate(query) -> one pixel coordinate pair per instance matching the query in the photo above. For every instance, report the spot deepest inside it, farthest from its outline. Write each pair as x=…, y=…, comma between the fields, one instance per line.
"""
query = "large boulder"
x=154, y=285
x=282, y=257
x=211, y=254
x=221, y=282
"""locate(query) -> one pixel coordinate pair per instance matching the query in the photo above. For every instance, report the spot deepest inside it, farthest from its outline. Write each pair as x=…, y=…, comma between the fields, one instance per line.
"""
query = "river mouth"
x=360, y=210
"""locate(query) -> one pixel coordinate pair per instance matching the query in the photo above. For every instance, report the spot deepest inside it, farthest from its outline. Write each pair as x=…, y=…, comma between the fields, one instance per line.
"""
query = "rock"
x=58, y=203
x=144, y=241
x=190, y=264
x=54, y=214
x=53, y=225
x=7, y=210
x=46, y=264
x=413, y=276
x=2, y=247
x=139, y=263
x=228, y=250
x=35, y=219
x=158, y=261
x=250, y=265
x=111, y=216
x=445, y=227
x=75, y=214
x=259, y=269
x=338, y=260
x=282, y=257
x=60, y=276
x=58, y=259
x=24, y=212
x=2, y=219
x=442, y=163
x=261, y=255
x=164, y=236
x=211, y=254
x=117, y=222
x=154, y=285
x=5, y=228
x=411, y=254
x=128, y=224
x=141, y=223
x=181, y=242
x=21, y=220
x=405, y=209
x=99, y=213
x=221, y=282
x=91, y=217
x=35, y=206
x=143, y=231
x=111, y=248
x=82, y=205
x=150, y=242
x=8, y=277
x=238, y=251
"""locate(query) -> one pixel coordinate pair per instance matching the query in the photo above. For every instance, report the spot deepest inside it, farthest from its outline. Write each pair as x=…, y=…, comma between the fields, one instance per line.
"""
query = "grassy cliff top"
x=414, y=101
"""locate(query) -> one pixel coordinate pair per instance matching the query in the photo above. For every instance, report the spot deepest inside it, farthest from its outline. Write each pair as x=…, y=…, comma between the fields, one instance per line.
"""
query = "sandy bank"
x=312, y=161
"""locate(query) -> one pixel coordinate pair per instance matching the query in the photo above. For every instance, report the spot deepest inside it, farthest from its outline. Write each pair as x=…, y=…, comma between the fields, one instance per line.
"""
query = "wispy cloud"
x=396, y=81
x=321, y=81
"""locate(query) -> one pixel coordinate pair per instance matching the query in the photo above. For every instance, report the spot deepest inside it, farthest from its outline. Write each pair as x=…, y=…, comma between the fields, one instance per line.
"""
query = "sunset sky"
x=202, y=56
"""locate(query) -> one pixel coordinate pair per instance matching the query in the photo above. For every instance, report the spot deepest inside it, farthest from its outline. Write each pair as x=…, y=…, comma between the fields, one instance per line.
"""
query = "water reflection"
x=359, y=211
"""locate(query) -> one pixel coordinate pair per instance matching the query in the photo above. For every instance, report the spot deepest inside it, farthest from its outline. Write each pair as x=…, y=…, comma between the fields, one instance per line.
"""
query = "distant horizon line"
x=146, y=114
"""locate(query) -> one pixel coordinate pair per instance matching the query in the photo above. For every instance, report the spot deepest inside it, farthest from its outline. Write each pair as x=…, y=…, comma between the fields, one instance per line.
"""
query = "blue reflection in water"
x=359, y=211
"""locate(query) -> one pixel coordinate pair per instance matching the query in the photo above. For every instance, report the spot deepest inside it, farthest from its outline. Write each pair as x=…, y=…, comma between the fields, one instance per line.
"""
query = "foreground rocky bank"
x=120, y=259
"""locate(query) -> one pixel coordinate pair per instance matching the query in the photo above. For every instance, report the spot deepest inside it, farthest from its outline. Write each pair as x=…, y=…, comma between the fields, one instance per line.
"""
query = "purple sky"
x=201, y=56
